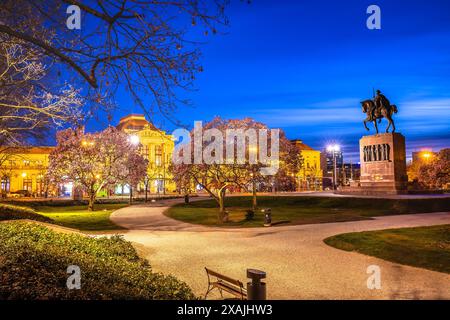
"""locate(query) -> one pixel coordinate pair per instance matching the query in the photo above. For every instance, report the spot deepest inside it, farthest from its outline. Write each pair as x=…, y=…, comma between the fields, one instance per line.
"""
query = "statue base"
x=383, y=165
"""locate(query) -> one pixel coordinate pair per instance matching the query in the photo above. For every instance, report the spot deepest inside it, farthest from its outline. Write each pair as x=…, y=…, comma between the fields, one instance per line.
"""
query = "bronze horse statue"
x=378, y=114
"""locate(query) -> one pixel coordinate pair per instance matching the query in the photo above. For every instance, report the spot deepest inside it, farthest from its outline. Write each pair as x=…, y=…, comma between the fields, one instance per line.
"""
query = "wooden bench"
x=224, y=283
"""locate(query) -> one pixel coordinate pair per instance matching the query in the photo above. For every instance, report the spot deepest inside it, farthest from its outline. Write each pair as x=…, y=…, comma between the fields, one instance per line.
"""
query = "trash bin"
x=256, y=290
x=267, y=217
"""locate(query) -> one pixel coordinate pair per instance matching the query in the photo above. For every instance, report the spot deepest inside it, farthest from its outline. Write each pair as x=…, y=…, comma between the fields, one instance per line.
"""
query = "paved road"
x=298, y=264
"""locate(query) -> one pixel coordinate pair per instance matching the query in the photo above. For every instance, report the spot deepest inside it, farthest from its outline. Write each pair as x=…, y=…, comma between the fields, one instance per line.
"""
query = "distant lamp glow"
x=333, y=147
x=24, y=174
x=426, y=155
x=134, y=140
x=85, y=143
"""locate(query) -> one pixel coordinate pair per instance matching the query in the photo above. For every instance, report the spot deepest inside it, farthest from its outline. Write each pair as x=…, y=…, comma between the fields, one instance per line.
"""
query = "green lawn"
x=302, y=210
x=425, y=247
x=79, y=217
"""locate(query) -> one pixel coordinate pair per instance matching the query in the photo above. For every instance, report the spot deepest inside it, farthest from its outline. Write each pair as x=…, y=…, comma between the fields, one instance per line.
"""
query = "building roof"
x=302, y=146
x=28, y=150
x=134, y=122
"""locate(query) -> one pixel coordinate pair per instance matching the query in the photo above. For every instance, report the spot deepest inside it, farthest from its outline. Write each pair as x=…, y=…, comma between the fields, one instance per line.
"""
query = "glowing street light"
x=85, y=143
x=426, y=155
x=333, y=147
x=134, y=139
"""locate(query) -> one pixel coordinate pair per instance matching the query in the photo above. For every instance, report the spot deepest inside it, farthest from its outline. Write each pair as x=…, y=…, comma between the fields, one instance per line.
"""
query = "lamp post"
x=146, y=180
x=135, y=141
x=334, y=148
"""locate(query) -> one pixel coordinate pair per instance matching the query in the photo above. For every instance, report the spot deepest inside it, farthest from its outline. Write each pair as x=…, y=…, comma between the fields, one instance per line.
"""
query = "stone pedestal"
x=383, y=164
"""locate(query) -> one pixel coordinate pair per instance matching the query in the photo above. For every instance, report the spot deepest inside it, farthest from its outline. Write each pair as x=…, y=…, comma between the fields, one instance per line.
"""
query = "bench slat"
x=223, y=284
x=228, y=279
x=233, y=290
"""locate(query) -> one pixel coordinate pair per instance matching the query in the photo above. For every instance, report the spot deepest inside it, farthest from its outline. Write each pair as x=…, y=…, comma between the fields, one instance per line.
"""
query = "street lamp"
x=134, y=140
x=334, y=148
x=426, y=155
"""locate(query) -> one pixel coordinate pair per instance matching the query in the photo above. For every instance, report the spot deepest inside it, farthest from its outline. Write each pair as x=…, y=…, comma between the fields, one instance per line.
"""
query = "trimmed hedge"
x=69, y=202
x=12, y=212
x=34, y=261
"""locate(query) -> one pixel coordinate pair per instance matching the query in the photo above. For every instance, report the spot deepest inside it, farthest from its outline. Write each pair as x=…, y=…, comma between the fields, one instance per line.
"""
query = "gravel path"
x=298, y=264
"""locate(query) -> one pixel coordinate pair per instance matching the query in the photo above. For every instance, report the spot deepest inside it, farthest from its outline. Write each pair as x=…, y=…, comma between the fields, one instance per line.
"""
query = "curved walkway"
x=298, y=264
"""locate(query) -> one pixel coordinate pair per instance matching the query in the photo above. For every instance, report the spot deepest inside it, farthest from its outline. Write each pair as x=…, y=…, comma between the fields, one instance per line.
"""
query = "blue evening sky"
x=304, y=66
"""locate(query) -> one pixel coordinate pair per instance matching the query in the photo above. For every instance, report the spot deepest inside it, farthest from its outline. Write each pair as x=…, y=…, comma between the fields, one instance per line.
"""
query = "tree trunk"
x=91, y=201
x=131, y=195
x=254, y=201
x=223, y=215
x=146, y=192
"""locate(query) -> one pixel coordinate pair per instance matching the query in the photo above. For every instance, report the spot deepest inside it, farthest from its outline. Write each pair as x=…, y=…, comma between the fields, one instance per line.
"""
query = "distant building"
x=327, y=162
x=23, y=169
x=309, y=176
x=350, y=172
x=157, y=147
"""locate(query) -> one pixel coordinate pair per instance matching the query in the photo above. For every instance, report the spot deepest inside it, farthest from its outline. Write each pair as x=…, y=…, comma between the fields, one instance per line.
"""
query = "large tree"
x=436, y=173
x=93, y=161
x=150, y=47
x=220, y=167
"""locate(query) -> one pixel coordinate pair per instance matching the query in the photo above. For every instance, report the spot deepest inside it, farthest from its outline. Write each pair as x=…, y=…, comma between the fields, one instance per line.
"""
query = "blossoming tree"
x=93, y=161
x=231, y=157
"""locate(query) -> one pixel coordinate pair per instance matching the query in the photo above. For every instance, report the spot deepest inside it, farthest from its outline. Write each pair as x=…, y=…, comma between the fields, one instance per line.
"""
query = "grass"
x=80, y=218
x=424, y=247
x=302, y=210
x=34, y=262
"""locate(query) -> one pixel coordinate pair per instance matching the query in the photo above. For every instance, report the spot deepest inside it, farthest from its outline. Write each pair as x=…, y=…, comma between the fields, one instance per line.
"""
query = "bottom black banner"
x=224, y=309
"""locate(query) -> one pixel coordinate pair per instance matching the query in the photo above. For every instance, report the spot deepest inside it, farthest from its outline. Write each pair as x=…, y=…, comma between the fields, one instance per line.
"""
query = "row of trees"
x=218, y=177
x=52, y=76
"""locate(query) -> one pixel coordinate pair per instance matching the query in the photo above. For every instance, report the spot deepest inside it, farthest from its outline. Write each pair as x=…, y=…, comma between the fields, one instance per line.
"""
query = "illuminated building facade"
x=157, y=147
x=309, y=176
x=23, y=169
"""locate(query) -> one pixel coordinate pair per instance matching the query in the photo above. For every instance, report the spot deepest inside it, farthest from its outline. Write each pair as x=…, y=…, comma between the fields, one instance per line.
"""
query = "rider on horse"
x=377, y=109
x=380, y=101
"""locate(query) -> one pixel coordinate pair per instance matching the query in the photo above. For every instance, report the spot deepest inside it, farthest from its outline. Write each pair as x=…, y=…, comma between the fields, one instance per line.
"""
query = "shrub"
x=12, y=212
x=249, y=215
x=35, y=260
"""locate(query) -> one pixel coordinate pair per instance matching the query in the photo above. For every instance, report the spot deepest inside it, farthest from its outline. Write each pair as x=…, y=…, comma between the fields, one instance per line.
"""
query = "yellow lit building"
x=24, y=168
x=309, y=176
x=157, y=148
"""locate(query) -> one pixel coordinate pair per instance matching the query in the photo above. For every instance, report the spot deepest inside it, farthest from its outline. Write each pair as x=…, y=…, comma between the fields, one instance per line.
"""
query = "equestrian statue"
x=377, y=109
